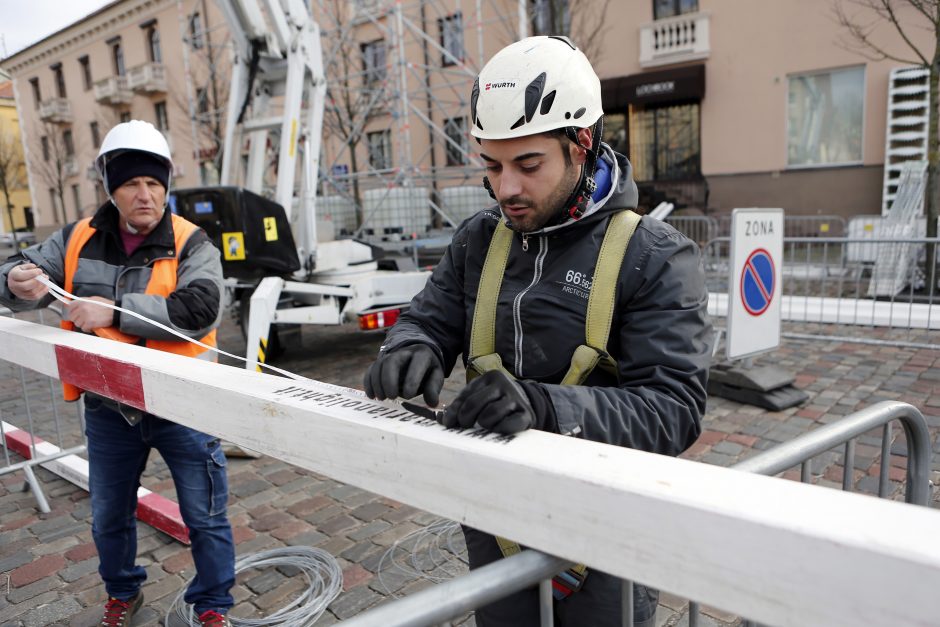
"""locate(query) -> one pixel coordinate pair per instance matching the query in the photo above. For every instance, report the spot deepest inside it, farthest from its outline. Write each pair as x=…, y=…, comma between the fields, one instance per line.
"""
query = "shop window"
x=452, y=38
x=665, y=142
x=615, y=132
x=671, y=8
x=380, y=149
x=456, y=131
x=825, y=117
x=373, y=61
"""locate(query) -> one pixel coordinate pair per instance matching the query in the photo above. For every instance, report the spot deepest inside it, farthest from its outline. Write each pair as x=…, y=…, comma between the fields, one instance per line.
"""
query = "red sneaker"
x=211, y=618
x=118, y=613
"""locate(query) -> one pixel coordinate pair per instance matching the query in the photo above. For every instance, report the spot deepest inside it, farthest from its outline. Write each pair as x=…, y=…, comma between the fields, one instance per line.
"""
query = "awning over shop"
x=684, y=83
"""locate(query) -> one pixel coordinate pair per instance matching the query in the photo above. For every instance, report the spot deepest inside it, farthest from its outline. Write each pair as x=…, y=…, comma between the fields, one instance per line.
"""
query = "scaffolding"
x=397, y=163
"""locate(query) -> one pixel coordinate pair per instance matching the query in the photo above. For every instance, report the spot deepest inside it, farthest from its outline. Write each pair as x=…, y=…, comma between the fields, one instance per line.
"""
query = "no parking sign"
x=756, y=257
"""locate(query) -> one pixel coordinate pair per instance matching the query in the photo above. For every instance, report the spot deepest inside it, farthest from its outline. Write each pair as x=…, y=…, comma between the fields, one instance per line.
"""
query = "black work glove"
x=500, y=403
x=406, y=372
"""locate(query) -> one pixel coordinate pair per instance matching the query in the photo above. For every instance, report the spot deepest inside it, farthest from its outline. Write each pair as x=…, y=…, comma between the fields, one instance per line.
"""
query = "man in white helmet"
x=136, y=255
x=630, y=370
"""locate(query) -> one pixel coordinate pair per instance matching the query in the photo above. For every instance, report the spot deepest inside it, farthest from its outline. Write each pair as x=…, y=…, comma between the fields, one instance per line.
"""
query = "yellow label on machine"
x=270, y=229
x=293, y=137
x=233, y=246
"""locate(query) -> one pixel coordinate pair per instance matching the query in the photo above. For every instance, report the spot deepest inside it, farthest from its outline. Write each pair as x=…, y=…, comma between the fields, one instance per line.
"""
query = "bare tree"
x=585, y=23
x=355, y=93
x=903, y=17
x=53, y=157
x=12, y=171
x=210, y=71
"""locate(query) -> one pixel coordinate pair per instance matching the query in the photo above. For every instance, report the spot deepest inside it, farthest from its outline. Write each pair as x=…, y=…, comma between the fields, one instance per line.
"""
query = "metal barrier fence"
x=827, y=284
x=508, y=575
x=452, y=599
x=34, y=420
x=704, y=229
x=801, y=451
x=798, y=226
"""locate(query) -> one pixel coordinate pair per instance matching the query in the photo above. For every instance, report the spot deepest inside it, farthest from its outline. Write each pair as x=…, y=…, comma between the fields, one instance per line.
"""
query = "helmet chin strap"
x=577, y=202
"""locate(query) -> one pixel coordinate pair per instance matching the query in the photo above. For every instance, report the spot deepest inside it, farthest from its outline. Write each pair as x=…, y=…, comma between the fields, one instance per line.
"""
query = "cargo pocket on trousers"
x=218, y=482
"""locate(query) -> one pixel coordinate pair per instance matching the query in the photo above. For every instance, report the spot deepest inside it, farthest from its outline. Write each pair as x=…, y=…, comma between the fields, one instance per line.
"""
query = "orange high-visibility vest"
x=162, y=283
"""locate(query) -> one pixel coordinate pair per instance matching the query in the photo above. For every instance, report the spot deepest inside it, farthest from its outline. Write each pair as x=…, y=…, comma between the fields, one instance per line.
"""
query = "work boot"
x=118, y=613
x=211, y=618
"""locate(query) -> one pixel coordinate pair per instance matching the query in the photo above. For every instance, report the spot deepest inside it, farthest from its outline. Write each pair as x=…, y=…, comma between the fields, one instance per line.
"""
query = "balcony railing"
x=113, y=91
x=57, y=110
x=675, y=40
x=147, y=78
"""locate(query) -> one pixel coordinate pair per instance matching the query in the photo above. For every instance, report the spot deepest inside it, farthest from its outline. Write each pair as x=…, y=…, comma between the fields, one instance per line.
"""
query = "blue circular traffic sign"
x=758, y=279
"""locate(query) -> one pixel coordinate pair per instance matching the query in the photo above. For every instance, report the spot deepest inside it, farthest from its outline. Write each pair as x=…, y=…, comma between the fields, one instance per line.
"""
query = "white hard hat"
x=133, y=135
x=535, y=85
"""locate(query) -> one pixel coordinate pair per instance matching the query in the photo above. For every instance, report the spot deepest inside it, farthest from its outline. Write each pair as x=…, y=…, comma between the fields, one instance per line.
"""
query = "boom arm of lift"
x=277, y=53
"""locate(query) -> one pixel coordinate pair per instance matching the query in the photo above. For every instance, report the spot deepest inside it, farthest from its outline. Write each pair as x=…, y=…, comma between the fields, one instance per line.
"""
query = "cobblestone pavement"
x=48, y=562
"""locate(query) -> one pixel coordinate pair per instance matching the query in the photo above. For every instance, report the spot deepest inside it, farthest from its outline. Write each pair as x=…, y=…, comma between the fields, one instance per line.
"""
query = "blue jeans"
x=117, y=455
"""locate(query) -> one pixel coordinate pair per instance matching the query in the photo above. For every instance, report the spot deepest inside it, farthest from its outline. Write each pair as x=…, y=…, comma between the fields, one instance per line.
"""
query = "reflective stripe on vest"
x=593, y=353
x=162, y=283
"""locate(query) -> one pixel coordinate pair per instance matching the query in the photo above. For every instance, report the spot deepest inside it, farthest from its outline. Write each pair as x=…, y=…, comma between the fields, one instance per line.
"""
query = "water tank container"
x=341, y=209
x=462, y=201
x=396, y=211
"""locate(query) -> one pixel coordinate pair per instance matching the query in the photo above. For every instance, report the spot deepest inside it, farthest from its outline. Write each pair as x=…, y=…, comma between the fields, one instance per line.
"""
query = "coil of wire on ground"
x=324, y=583
x=435, y=553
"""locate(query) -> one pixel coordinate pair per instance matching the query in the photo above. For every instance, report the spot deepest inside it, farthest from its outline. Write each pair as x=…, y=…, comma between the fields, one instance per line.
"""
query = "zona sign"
x=758, y=280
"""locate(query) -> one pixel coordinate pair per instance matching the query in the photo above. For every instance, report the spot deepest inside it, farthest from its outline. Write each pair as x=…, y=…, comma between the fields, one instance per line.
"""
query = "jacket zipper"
x=517, y=301
x=525, y=242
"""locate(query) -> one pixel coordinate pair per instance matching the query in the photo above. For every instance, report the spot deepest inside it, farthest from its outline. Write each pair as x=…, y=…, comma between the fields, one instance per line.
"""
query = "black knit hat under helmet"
x=133, y=163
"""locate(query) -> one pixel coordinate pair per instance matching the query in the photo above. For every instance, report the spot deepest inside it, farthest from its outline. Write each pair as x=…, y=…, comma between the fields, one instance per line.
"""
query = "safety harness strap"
x=600, y=311
x=483, y=356
x=598, y=321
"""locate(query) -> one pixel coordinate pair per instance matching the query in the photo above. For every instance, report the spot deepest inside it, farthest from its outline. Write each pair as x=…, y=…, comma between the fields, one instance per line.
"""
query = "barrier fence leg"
x=626, y=604
x=33, y=484
x=546, y=604
x=693, y=614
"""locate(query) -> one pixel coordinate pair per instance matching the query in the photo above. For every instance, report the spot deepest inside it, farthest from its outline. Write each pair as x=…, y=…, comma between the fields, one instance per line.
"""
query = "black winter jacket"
x=660, y=337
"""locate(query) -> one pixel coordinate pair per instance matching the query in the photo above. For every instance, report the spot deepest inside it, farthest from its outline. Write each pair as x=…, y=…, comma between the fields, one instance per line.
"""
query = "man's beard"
x=540, y=214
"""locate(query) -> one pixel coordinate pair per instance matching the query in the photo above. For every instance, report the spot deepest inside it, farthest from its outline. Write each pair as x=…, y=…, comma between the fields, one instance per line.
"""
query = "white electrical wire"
x=64, y=297
x=324, y=583
x=435, y=553
x=321, y=570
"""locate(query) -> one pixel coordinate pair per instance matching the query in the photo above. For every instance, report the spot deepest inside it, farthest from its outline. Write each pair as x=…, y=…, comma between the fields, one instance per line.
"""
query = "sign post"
x=754, y=295
x=756, y=275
